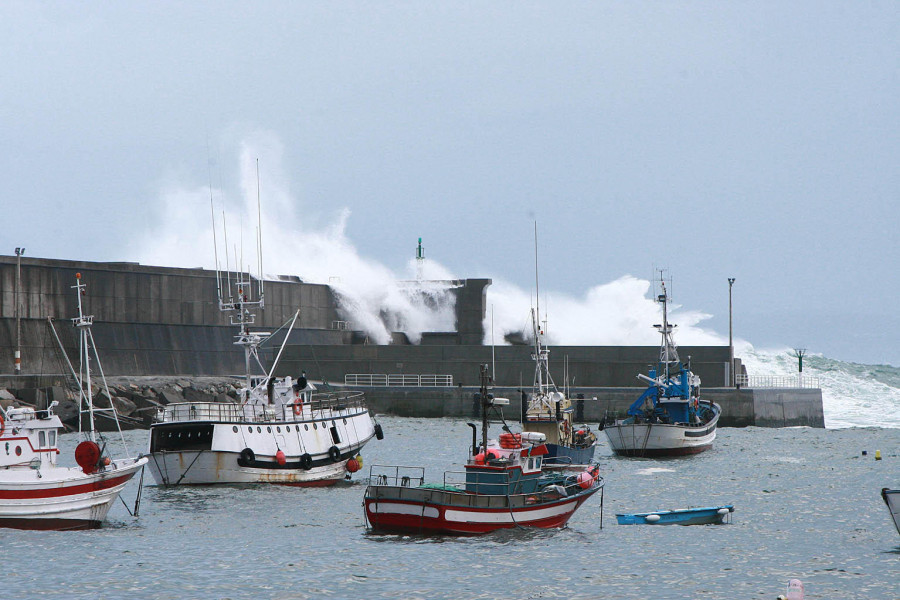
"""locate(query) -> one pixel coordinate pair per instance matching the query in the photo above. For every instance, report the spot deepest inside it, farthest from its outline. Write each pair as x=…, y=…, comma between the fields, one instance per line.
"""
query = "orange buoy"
x=353, y=465
x=479, y=458
x=279, y=457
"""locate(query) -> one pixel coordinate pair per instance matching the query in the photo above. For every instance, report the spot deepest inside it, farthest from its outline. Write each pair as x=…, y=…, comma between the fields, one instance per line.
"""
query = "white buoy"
x=722, y=511
x=651, y=518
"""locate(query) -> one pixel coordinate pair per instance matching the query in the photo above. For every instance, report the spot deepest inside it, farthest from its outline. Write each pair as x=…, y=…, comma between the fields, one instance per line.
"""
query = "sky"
x=755, y=140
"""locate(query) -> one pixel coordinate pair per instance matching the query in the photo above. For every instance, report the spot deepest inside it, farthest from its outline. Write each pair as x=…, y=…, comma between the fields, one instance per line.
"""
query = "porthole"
x=234, y=428
x=306, y=427
x=278, y=429
x=250, y=430
x=18, y=450
x=315, y=426
x=268, y=430
x=258, y=429
x=345, y=420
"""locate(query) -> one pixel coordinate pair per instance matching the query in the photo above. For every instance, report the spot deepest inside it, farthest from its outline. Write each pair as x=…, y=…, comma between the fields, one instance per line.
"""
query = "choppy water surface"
x=807, y=507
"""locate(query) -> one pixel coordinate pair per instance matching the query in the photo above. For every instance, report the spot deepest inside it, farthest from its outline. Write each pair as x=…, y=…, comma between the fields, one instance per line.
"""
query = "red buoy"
x=87, y=455
x=353, y=465
x=585, y=480
x=479, y=458
x=279, y=457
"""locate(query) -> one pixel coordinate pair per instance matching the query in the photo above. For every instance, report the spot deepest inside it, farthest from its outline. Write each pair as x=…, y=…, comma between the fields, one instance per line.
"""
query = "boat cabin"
x=506, y=469
x=28, y=438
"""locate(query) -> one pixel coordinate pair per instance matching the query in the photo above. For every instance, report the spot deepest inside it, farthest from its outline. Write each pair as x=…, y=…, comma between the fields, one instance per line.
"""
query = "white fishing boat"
x=669, y=418
x=38, y=493
x=549, y=411
x=281, y=431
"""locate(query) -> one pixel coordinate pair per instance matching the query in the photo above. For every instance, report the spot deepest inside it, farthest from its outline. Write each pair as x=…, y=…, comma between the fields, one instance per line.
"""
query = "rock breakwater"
x=137, y=400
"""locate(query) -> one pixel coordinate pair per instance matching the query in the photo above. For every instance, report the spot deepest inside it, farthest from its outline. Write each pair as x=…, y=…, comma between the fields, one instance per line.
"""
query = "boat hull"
x=314, y=450
x=209, y=468
x=425, y=511
x=660, y=439
x=63, y=498
x=892, y=499
x=689, y=516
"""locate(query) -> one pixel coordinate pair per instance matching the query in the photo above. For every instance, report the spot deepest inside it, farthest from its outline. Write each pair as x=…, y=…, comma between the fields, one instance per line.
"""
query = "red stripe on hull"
x=70, y=490
x=397, y=523
x=317, y=483
x=50, y=524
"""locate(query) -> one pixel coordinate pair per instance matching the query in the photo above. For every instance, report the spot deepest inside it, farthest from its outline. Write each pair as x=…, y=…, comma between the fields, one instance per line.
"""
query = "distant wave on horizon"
x=853, y=394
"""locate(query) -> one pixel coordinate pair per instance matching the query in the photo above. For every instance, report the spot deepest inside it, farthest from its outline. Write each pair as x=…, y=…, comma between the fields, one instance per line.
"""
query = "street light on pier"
x=18, y=356
x=730, y=335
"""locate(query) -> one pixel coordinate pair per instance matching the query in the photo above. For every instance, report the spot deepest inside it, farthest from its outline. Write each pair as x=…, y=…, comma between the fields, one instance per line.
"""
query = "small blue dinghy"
x=682, y=516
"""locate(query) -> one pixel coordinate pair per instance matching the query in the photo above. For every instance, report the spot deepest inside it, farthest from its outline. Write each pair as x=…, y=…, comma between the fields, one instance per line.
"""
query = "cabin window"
x=52, y=438
x=42, y=438
x=530, y=464
x=537, y=462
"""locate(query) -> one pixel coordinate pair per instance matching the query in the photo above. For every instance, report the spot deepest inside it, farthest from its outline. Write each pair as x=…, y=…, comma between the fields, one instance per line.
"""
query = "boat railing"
x=396, y=476
x=398, y=380
x=323, y=405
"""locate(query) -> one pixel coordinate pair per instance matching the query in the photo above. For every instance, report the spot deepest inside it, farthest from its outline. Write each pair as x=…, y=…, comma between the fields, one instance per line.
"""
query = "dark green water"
x=807, y=507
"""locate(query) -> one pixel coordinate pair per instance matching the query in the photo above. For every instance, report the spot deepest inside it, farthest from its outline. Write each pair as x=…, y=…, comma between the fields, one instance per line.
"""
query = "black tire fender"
x=306, y=462
x=334, y=453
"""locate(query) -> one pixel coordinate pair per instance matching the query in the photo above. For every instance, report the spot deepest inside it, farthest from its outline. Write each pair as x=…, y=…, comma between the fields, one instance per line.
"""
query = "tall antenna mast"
x=212, y=215
x=259, y=247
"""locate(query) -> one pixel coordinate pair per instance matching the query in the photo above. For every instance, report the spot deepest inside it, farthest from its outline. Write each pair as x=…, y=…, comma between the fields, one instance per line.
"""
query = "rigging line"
x=164, y=471
x=183, y=475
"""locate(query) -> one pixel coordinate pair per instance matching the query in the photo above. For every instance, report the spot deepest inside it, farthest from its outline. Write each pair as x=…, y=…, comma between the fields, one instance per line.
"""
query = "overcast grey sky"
x=755, y=140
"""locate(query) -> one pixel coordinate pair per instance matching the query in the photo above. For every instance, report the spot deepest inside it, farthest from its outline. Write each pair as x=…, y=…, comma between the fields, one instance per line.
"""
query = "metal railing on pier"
x=398, y=380
x=766, y=381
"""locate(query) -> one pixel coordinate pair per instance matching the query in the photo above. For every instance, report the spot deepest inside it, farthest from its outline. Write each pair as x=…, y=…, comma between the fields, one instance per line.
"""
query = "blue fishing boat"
x=669, y=418
x=683, y=516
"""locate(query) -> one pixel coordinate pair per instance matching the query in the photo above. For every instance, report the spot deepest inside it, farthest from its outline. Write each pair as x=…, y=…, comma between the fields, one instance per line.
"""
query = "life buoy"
x=306, y=462
x=334, y=454
x=510, y=440
x=298, y=408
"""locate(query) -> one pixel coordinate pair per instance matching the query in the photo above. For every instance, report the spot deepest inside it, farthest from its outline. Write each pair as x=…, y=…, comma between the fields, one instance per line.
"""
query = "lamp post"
x=730, y=334
x=18, y=357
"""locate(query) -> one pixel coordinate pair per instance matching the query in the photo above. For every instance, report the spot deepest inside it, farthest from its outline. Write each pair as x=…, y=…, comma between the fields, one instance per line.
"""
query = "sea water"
x=807, y=506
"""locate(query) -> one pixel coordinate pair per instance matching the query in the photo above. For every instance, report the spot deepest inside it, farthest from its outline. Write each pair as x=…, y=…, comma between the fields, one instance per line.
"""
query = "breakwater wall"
x=740, y=407
x=166, y=321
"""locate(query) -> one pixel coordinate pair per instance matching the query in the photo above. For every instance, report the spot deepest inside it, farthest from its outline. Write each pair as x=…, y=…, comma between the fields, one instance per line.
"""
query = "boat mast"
x=83, y=324
x=485, y=406
x=668, y=353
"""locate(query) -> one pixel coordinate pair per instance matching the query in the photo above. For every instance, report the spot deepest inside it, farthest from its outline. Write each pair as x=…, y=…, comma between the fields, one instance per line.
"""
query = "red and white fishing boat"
x=38, y=493
x=503, y=486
